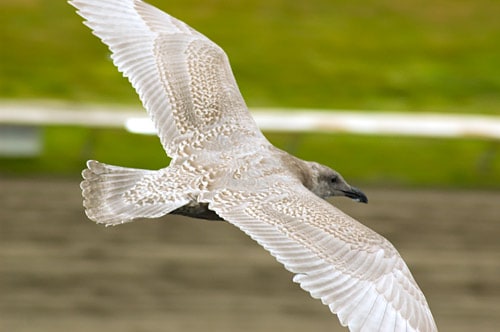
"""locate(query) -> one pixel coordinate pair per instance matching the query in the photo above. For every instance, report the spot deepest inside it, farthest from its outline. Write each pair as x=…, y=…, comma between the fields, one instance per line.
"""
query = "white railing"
x=379, y=123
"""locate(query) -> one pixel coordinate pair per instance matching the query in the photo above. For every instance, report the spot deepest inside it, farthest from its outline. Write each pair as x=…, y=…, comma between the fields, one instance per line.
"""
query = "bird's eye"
x=333, y=179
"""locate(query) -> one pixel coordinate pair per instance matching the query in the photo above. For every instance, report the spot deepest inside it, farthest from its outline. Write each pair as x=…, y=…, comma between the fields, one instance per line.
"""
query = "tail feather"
x=104, y=187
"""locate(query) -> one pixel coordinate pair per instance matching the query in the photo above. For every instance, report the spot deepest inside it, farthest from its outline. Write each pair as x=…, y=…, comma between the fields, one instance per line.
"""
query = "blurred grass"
x=441, y=56
x=387, y=54
x=364, y=160
x=402, y=161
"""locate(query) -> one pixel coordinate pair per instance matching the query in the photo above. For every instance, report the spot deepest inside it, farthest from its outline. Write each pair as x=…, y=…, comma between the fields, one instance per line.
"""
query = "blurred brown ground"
x=61, y=272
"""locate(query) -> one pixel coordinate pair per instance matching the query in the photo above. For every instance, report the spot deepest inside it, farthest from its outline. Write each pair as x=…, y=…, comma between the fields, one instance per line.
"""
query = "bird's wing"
x=352, y=269
x=184, y=80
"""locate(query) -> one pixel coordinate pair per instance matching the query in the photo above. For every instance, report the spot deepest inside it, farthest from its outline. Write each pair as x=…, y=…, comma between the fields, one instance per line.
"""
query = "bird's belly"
x=198, y=211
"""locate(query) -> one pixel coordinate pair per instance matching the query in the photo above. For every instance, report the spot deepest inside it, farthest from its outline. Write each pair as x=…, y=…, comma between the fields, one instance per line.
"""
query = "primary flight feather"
x=223, y=168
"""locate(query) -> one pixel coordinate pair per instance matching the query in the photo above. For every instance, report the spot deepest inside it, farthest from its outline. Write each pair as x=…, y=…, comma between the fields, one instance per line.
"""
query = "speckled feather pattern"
x=223, y=167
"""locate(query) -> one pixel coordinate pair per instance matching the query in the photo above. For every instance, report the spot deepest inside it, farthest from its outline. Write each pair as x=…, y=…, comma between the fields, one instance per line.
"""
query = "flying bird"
x=223, y=168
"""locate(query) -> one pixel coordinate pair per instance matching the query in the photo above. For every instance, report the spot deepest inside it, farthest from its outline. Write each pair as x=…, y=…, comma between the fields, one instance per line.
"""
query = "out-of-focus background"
x=437, y=199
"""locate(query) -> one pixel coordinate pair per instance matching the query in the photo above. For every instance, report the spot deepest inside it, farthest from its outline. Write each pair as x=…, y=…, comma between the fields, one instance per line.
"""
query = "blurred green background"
x=415, y=56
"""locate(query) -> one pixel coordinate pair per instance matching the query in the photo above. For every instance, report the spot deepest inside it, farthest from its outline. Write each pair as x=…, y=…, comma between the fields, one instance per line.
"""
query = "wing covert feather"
x=183, y=79
x=353, y=270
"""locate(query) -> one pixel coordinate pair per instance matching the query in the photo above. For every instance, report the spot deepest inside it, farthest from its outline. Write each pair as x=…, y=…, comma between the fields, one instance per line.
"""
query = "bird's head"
x=327, y=182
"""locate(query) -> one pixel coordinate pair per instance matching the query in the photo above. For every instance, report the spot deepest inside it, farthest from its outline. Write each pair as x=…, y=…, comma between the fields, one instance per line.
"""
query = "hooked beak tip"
x=356, y=194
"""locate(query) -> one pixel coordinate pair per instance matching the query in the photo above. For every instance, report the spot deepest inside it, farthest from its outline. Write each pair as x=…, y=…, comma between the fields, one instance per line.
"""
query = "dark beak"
x=356, y=194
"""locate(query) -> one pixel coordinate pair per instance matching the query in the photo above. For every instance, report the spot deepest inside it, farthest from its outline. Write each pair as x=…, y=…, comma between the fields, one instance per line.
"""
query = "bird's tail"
x=105, y=189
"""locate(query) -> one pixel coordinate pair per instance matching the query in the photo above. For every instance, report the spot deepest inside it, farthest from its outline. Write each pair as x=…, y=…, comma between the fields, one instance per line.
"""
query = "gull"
x=223, y=168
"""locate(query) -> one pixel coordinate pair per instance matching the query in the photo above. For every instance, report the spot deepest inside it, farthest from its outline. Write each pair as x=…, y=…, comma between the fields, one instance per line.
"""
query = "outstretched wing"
x=184, y=80
x=352, y=269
